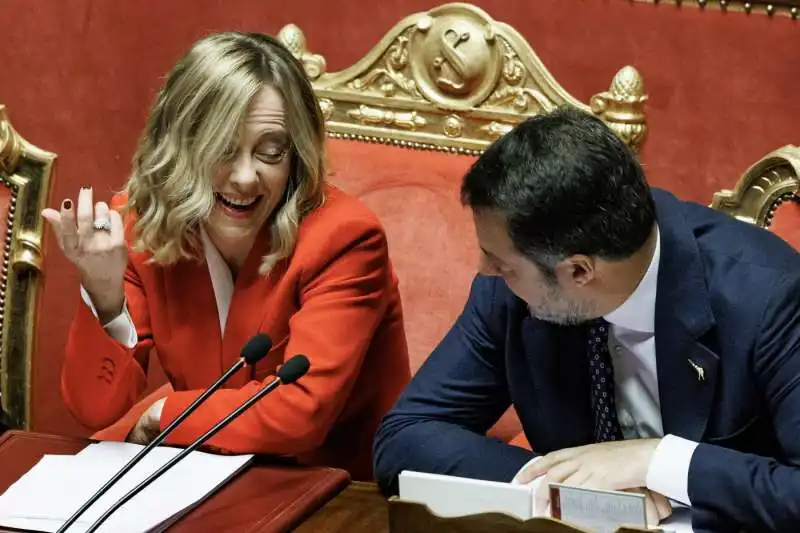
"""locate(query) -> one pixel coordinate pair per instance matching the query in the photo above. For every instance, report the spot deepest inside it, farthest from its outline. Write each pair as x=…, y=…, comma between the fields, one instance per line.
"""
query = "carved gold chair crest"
x=759, y=192
x=453, y=79
x=24, y=180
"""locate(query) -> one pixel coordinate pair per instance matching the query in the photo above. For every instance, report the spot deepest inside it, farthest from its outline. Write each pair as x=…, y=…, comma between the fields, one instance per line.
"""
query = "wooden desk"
x=263, y=499
x=358, y=508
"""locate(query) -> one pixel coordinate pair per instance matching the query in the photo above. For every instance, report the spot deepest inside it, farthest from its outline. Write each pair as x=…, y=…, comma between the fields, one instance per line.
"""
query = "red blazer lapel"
x=249, y=313
x=191, y=311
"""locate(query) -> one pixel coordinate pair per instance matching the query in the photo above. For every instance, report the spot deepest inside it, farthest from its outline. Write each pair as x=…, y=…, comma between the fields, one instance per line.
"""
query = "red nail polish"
x=67, y=204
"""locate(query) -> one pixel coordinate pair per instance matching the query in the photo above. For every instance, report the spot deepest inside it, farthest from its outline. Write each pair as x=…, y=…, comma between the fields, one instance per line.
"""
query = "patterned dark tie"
x=606, y=424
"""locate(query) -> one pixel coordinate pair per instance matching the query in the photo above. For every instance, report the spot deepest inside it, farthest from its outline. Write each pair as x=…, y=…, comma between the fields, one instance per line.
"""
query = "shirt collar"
x=638, y=312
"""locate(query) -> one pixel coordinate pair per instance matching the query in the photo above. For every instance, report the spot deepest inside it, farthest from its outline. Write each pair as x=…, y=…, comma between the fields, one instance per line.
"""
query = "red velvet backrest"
x=432, y=244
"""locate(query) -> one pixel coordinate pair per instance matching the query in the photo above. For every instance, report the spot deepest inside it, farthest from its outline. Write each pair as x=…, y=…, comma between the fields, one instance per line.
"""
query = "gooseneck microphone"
x=252, y=352
x=291, y=371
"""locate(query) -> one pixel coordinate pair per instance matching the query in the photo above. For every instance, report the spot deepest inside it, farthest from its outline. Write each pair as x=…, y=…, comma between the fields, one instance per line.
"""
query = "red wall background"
x=77, y=78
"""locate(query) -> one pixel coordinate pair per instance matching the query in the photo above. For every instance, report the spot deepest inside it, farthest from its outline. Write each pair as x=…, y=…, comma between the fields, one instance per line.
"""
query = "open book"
x=47, y=495
x=451, y=497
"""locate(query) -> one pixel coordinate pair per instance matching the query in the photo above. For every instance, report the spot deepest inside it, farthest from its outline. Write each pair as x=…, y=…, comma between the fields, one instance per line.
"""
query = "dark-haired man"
x=646, y=343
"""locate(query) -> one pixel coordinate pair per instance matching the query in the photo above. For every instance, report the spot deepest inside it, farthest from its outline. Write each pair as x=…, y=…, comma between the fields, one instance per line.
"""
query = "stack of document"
x=46, y=496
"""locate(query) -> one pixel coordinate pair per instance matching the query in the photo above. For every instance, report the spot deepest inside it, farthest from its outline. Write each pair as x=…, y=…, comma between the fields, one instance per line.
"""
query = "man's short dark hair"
x=565, y=184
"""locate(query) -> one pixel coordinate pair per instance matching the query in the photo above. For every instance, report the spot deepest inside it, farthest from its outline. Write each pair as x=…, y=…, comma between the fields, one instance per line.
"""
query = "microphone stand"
x=186, y=451
x=155, y=442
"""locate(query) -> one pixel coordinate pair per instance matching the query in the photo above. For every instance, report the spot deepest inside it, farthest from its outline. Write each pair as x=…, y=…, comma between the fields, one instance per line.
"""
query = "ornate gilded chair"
x=768, y=194
x=407, y=120
x=24, y=180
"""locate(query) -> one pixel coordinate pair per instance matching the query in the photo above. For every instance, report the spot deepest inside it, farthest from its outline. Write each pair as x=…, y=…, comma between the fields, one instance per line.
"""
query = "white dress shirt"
x=122, y=329
x=632, y=344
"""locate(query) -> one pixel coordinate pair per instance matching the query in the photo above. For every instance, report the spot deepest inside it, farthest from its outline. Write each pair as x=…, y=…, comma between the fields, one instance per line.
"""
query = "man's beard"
x=558, y=310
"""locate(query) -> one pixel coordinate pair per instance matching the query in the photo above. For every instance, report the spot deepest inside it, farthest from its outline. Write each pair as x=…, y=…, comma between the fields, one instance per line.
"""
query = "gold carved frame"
x=25, y=171
x=453, y=79
x=789, y=8
x=773, y=179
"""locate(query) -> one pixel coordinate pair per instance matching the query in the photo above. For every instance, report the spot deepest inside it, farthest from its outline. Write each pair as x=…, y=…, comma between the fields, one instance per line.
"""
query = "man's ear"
x=576, y=270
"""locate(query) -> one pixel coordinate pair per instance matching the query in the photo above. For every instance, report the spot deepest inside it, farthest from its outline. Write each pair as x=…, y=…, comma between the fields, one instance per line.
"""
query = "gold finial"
x=622, y=106
x=293, y=38
x=10, y=144
x=628, y=85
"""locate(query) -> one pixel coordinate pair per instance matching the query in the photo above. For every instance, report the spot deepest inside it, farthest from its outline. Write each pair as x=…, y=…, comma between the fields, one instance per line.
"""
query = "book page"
x=449, y=496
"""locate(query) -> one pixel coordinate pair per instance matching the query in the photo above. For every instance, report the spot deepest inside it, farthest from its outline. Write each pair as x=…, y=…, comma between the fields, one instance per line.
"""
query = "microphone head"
x=293, y=369
x=256, y=348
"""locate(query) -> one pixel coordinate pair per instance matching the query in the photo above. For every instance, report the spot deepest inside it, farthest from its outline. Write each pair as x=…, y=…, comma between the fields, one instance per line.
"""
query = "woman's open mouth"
x=238, y=206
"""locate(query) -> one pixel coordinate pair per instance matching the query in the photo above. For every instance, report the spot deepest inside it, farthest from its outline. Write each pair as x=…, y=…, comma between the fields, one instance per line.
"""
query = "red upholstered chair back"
x=24, y=181
x=407, y=121
x=768, y=194
x=786, y=220
x=430, y=235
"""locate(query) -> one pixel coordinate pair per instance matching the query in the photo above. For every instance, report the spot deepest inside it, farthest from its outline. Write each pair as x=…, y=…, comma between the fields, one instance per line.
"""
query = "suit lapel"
x=559, y=370
x=687, y=369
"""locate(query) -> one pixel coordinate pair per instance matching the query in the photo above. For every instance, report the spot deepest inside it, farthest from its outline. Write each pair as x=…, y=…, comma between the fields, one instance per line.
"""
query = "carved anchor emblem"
x=454, y=67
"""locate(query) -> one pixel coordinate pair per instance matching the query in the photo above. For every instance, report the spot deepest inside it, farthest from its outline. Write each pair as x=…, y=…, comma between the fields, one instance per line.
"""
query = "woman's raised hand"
x=92, y=236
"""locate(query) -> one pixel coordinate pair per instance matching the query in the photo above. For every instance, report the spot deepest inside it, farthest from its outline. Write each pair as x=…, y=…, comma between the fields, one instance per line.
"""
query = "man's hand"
x=149, y=424
x=617, y=465
x=658, y=506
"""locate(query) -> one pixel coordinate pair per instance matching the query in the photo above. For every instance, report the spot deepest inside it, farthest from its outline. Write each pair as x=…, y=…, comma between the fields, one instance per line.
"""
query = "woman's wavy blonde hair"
x=196, y=118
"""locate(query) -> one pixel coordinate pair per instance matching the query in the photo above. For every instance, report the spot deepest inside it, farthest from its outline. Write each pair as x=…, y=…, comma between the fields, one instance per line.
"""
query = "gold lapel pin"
x=701, y=373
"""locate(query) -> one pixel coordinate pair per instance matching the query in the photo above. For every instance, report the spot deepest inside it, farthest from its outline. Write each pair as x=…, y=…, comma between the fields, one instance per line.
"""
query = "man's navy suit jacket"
x=728, y=300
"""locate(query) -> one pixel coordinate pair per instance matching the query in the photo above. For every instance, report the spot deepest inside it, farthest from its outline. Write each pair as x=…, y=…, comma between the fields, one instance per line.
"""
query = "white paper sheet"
x=59, y=484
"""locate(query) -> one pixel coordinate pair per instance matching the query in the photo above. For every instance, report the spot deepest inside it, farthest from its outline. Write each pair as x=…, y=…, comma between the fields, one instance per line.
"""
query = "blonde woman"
x=226, y=229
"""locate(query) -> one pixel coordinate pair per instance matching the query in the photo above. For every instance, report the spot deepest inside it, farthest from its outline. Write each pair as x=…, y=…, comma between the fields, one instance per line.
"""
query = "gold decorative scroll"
x=454, y=79
x=762, y=187
x=371, y=115
x=788, y=8
x=25, y=172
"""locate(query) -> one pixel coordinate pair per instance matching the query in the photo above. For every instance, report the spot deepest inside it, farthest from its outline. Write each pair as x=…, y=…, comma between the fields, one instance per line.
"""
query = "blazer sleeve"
x=439, y=424
x=102, y=378
x=342, y=302
x=759, y=493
